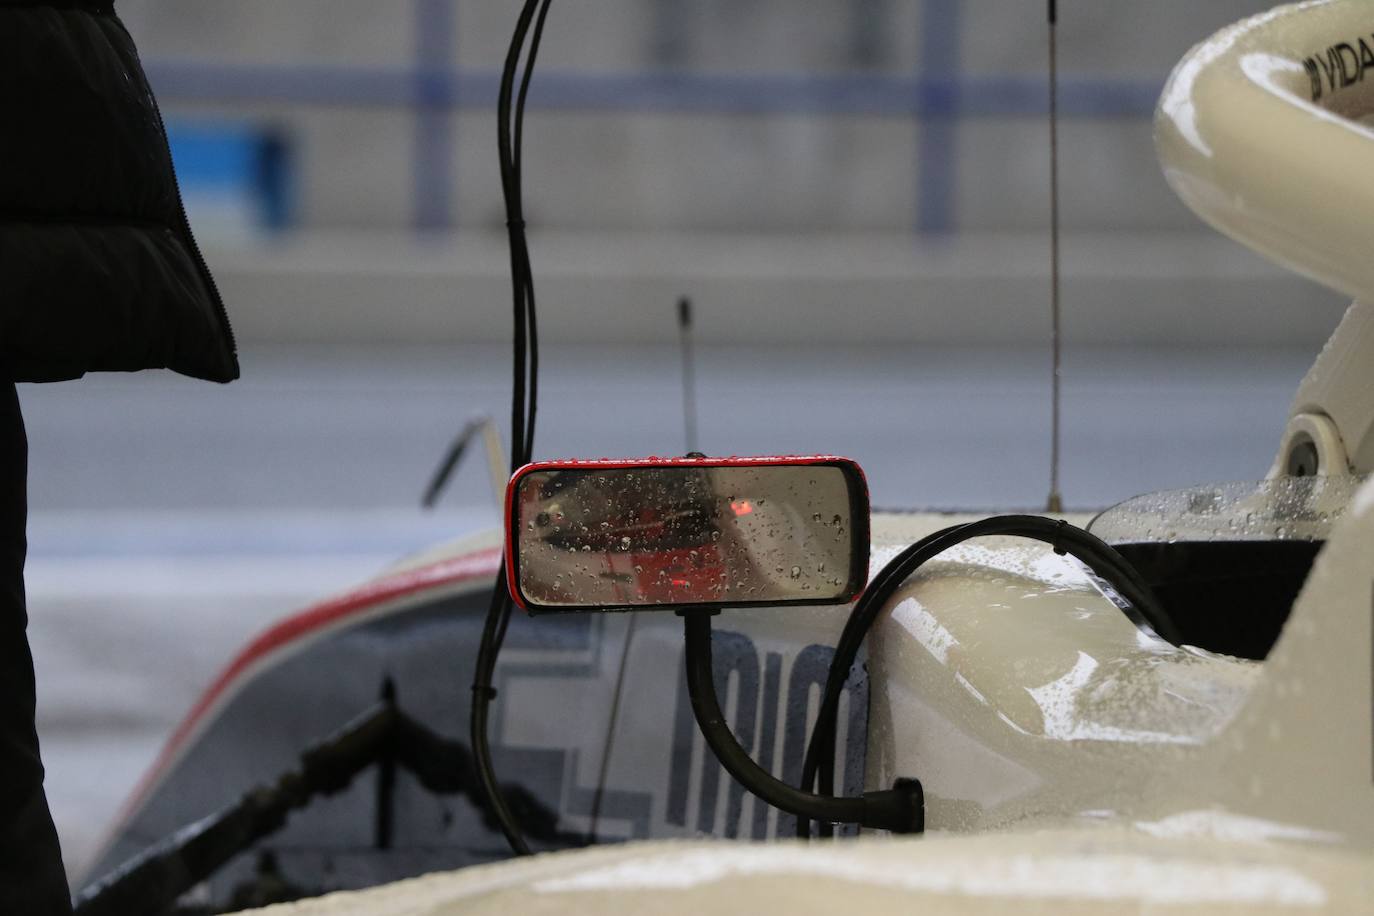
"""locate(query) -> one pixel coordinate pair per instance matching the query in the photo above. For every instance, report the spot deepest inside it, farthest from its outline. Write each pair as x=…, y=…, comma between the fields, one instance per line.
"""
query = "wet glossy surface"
x=1280, y=509
x=1263, y=131
x=1097, y=871
x=1019, y=691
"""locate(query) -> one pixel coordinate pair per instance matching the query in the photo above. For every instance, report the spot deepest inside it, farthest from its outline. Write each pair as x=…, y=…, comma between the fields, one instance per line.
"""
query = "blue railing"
x=924, y=97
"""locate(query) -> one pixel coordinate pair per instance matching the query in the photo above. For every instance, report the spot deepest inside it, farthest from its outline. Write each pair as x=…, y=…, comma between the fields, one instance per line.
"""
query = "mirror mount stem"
x=900, y=809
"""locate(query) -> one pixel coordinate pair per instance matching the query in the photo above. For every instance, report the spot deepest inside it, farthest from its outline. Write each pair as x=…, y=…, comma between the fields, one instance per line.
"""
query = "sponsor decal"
x=775, y=696
x=1340, y=66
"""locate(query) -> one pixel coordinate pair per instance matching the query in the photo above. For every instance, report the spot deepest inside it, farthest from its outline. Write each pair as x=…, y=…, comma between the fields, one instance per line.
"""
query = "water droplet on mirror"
x=796, y=572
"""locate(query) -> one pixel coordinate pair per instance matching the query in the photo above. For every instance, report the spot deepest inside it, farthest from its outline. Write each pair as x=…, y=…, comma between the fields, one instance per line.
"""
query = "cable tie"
x=486, y=691
x=1057, y=544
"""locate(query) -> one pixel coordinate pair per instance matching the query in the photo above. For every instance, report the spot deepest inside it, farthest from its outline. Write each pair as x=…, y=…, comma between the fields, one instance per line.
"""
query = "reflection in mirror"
x=679, y=535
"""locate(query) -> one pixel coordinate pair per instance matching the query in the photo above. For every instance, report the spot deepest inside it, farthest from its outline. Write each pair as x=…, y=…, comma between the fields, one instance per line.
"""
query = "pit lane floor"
x=171, y=520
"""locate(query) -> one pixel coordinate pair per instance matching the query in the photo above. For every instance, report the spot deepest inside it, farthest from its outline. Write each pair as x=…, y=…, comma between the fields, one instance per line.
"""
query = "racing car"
x=1167, y=704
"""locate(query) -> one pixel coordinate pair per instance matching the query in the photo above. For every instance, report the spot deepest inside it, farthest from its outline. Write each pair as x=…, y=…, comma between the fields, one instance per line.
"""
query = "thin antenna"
x=496, y=461
x=1055, y=503
x=689, y=381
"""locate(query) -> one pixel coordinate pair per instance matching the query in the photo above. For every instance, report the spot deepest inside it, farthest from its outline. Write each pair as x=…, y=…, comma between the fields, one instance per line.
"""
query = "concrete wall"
x=834, y=169
x=636, y=168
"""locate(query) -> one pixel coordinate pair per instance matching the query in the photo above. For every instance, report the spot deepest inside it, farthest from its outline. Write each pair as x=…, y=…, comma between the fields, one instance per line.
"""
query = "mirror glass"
x=672, y=536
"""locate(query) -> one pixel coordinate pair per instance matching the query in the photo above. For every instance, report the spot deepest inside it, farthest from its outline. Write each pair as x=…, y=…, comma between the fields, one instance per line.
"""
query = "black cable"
x=524, y=394
x=482, y=695
x=515, y=229
x=1109, y=564
x=900, y=809
x=1143, y=609
x=821, y=737
x=519, y=125
x=517, y=167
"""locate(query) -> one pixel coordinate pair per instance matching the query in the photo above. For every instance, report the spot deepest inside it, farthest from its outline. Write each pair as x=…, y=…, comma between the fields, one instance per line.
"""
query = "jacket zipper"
x=196, y=256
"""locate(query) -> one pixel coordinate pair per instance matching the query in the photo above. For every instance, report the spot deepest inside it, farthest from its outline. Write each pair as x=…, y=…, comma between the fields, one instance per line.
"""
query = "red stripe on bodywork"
x=281, y=635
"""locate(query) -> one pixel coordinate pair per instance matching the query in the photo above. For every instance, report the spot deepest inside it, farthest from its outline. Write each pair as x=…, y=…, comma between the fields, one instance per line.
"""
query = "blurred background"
x=854, y=194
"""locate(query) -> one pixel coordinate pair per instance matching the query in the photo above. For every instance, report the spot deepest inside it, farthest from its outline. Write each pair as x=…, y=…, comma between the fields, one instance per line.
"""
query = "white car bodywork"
x=1103, y=771
x=1266, y=130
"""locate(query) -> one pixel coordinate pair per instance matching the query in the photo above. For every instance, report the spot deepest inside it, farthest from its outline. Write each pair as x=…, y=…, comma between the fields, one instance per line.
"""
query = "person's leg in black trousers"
x=32, y=880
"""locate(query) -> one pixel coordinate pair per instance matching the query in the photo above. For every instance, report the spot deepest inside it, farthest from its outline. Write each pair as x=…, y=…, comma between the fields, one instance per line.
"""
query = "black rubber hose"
x=899, y=809
x=1143, y=610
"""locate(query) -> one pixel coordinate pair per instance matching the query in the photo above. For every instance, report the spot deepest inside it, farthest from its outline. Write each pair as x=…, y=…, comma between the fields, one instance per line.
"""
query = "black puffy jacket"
x=98, y=268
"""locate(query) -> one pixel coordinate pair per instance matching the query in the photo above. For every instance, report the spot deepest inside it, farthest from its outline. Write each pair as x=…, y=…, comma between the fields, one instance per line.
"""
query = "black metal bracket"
x=152, y=881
